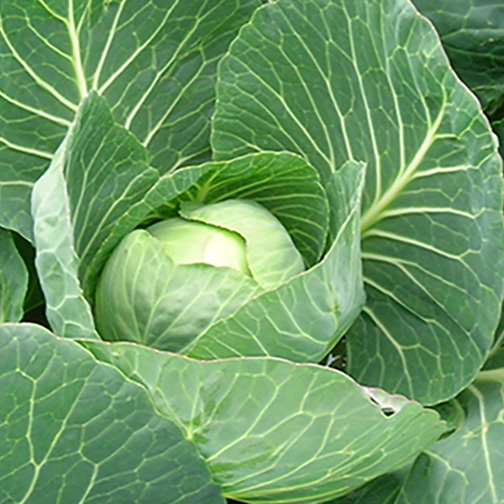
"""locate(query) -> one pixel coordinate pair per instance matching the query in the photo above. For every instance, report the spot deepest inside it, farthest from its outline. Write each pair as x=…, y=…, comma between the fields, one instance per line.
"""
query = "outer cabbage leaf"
x=67, y=310
x=273, y=431
x=13, y=279
x=472, y=32
x=155, y=65
x=369, y=81
x=76, y=431
x=466, y=468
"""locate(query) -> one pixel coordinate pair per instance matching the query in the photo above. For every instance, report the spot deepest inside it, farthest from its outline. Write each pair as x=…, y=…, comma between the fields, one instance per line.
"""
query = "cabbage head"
x=165, y=285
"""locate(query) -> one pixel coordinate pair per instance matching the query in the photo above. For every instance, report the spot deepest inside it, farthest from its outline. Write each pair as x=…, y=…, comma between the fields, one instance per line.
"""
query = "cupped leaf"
x=74, y=430
x=472, y=33
x=272, y=257
x=281, y=182
x=13, y=280
x=369, y=81
x=273, y=431
x=208, y=244
x=302, y=319
x=99, y=187
x=67, y=310
x=143, y=296
x=155, y=65
x=466, y=468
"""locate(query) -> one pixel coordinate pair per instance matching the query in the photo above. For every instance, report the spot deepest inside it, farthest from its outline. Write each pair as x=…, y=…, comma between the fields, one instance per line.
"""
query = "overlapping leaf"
x=99, y=187
x=154, y=64
x=57, y=263
x=13, y=280
x=76, y=431
x=34, y=298
x=274, y=431
x=369, y=81
x=466, y=468
x=496, y=355
x=303, y=318
x=472, y=32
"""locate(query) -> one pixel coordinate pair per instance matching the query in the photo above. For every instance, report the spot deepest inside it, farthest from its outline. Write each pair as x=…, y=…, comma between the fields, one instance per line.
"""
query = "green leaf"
x=106, y=171
x=67, y=310
x=13, y=280
x=155, y=65
x=302, y=319
x=368, y=81
x=74, y=430
x=274, y=431
x=272, y=257
x=283, y=183
x=99, y=188
x=177, y=302
x=466, y=468
x=472, y=32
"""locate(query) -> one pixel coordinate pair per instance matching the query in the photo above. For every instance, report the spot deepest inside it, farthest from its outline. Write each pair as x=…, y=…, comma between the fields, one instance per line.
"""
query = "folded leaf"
x=67, y=310
x=155, y=65
x=273, y=431
x=466, y=468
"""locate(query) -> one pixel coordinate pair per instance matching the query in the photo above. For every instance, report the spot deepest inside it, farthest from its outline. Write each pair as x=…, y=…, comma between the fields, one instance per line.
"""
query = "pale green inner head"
x=189, y=242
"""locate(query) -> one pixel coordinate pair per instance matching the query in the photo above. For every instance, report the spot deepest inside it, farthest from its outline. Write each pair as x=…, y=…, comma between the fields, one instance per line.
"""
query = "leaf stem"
x=76, y=55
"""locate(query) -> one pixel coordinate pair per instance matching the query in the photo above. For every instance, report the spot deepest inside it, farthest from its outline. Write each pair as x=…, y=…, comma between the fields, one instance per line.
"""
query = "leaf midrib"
x=375, y=212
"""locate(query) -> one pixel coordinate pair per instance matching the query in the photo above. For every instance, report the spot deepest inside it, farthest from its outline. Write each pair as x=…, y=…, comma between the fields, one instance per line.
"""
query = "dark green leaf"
x=75, y=431
x=465, y=468
x=369, y=81
x=472, y=32
x=155, y=65
x=13, y=280
x=274, y=431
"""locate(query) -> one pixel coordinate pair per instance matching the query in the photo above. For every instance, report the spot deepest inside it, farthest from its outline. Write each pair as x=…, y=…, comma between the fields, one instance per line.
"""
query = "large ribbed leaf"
x=338, y=80
x=13, y=280
x=274, y=431
x=466, y=468
x=472, y=32
x=154, y=62
x=76, y=431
